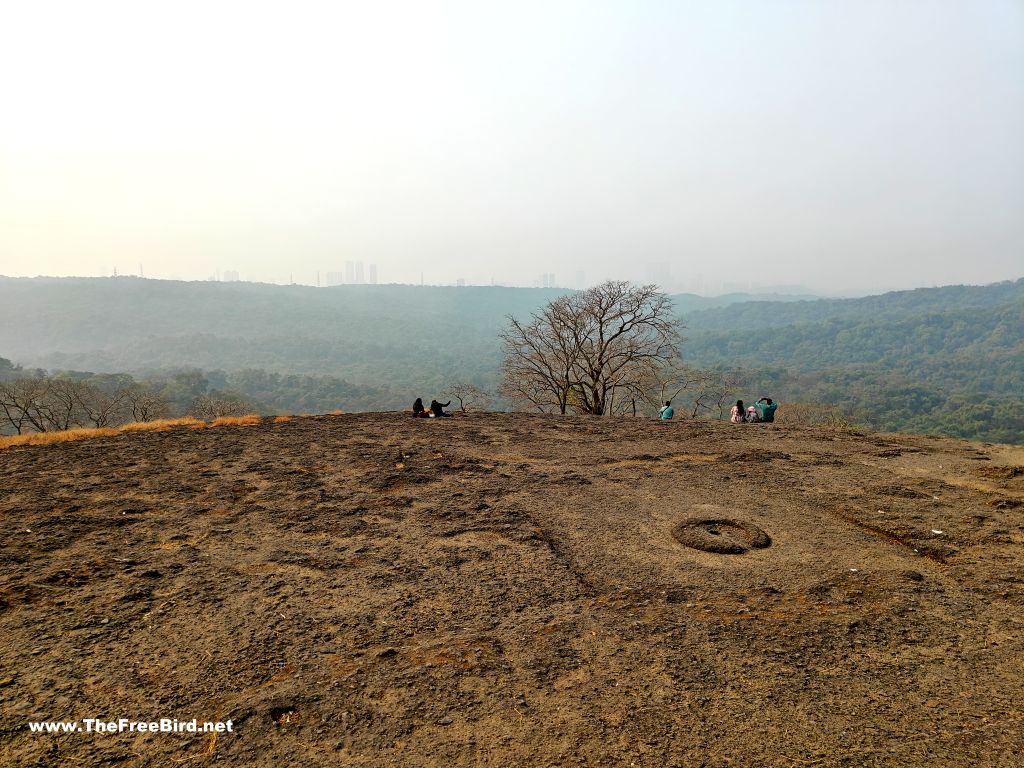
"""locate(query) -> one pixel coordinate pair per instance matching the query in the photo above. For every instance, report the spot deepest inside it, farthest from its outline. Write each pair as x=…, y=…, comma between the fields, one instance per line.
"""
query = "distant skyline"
x=845, y=147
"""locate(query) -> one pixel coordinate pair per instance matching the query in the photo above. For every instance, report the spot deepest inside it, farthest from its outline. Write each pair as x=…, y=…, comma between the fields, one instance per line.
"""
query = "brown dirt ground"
x=374, y=590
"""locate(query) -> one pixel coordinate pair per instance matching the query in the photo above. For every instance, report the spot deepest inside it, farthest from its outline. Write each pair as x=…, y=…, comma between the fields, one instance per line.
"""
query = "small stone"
x=445, y=721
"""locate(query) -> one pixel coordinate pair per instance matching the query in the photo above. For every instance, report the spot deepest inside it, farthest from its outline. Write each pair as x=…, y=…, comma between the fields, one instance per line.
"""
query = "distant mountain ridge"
x=757, y=313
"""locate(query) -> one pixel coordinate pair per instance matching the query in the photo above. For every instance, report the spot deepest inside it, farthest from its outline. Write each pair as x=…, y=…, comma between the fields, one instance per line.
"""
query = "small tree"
x=23, y=403
x=145, y=404
x=692, y=390
x=470, y=396
x=213, y=407
x=103, y=403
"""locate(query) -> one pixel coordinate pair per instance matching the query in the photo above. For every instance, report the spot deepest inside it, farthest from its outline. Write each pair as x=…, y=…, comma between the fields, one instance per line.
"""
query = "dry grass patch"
x=158, y=425
x=279, y=419
x=64, y=436
x=337, y=412
x=239, y=421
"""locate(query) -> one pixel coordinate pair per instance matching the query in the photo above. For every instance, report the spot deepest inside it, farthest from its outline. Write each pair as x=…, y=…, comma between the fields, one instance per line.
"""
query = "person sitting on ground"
x=418, y=411
x=738, y=412
x=666, y=412
x=437, y=409
x=752, y=415
x=766, y=408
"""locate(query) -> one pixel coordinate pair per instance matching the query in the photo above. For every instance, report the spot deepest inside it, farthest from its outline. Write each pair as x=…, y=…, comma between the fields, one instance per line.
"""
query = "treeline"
x=35, y=400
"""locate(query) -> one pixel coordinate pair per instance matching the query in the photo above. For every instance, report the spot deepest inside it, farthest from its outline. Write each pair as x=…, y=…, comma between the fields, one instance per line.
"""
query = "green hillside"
x=946, y=359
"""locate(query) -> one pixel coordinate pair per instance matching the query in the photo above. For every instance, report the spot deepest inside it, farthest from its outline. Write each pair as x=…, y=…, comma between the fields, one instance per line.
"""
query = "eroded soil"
x=374, y=590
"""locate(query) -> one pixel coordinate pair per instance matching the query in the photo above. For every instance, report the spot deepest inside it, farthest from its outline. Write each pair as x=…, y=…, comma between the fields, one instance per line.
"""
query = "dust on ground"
x=495, y=589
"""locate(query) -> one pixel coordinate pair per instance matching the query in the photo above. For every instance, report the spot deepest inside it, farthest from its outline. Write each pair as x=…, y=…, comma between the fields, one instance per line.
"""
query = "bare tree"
x=145, y=404
x=470, y=396
x=591, y=349
x=714, y=391
x=101, y=406
x=60, y=405
x=210, y=407
x=45, y=404
x=540, y=357
x=700, y=390
x=22, y=403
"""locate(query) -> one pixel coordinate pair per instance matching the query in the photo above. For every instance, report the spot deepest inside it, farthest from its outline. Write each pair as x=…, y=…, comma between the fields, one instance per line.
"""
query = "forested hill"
x=73, y=315
x=945, y=360
x=395, y=338
x=887, y=307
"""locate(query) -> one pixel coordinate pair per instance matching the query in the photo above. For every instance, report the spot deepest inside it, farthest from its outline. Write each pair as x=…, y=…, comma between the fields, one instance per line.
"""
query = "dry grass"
x=159, y=425
x=64, y=436
x=337, y=412
x=812, y=415
x=239, y=421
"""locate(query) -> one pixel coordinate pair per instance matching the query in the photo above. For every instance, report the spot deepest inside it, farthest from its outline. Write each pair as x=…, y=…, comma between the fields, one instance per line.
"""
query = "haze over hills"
x=946, y=359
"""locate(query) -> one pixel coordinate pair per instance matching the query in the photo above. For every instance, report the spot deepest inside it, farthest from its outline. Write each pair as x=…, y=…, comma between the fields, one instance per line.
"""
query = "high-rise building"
x=335, y=278
x=230, y=276
x=359, y=273
x=350, y=272
x=373, y=274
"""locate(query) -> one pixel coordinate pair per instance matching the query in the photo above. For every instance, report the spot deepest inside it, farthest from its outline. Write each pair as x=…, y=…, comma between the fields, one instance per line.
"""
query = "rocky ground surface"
x=515, y=590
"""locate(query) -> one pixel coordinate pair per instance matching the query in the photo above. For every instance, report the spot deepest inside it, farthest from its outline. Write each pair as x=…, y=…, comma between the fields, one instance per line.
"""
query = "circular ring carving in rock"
x=722, y=536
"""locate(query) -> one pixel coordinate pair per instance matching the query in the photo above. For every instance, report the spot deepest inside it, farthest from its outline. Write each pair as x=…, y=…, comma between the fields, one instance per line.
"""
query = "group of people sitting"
x=762, y=410
x=436, y=409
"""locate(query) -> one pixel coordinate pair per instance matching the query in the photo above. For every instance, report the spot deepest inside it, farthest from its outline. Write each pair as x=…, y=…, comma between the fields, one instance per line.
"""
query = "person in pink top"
x=738, y=413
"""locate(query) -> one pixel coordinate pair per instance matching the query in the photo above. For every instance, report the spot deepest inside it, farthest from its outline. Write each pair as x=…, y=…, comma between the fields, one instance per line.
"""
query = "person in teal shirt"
x=766, y=409
x=666, y=411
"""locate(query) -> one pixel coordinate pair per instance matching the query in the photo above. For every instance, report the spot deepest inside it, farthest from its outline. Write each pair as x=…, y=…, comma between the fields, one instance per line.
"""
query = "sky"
x=842, y=146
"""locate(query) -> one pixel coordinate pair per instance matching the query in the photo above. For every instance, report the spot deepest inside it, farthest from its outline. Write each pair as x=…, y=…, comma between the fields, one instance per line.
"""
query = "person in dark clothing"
x=418, y=411
x=438, y=408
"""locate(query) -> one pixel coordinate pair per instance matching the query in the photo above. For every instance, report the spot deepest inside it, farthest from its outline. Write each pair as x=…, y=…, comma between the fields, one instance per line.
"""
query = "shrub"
x=812, y=415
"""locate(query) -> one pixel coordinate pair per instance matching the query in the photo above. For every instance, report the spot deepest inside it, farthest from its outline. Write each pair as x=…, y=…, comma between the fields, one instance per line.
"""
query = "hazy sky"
x=841, y=145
